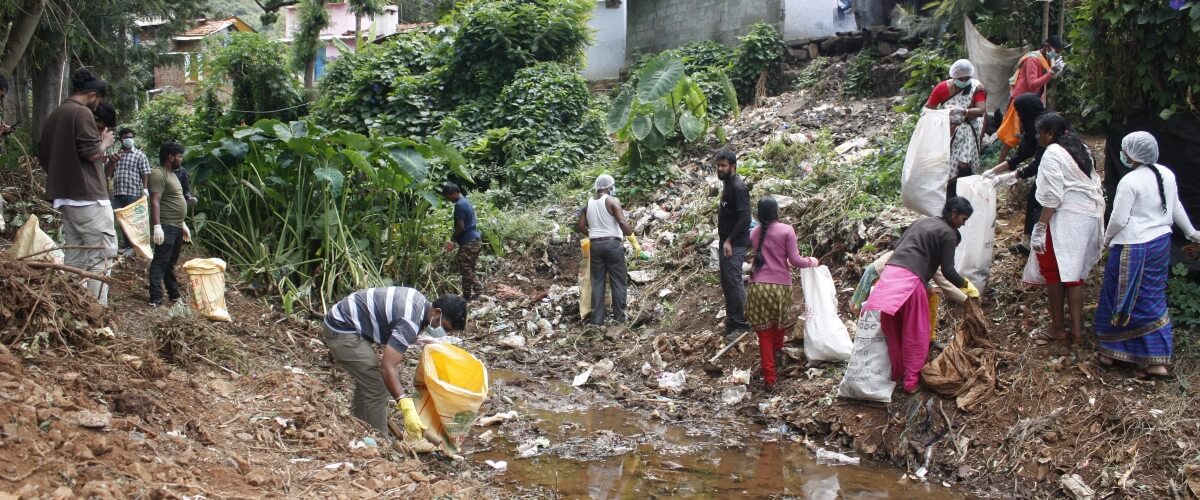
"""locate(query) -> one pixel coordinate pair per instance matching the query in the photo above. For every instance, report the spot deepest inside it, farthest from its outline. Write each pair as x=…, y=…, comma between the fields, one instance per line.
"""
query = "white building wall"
x=606, y=56
x=814, y=18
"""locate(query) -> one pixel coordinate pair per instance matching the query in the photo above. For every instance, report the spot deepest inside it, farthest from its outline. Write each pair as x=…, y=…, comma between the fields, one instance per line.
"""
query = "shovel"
x=711, y=366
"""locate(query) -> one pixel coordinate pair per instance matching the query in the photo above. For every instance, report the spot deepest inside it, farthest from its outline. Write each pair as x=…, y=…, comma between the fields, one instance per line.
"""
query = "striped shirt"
x=393, y=315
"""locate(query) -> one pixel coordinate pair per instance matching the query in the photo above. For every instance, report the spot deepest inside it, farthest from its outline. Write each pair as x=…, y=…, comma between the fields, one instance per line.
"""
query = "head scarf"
x=1141, y=147
x=962, y=68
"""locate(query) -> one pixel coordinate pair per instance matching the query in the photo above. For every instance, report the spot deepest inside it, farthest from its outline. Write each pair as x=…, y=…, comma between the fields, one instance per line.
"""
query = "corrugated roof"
x=210, y=26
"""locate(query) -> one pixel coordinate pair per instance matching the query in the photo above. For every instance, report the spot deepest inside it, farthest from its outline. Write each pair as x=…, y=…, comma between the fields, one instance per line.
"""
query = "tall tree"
x=313, y=19
x=361, y=9
x=22, y=22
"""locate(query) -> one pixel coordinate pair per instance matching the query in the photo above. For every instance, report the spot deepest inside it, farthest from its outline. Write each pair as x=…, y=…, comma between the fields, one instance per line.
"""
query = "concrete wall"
x=606, y=56
x=804, y=19
x=656, y=25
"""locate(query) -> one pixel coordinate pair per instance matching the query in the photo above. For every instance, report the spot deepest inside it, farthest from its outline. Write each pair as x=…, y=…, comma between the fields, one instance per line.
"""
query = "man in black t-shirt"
x=733, y=231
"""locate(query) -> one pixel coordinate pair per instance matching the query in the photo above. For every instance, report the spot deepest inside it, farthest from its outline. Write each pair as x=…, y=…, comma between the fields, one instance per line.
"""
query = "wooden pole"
x=1045, y=19
x=1062, y=16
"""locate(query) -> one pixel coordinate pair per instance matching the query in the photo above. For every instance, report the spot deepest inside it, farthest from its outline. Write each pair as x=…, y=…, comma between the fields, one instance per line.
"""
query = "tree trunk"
x=310, y=68
x=47, y=90
x=20, y=34
x=16, y=102
x=357, y=32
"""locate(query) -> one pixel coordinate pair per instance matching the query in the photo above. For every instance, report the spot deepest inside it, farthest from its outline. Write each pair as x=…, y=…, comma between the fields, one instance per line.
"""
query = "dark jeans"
x=734, y=289
x=162, y=266
x=608, y=262
x=122, y=201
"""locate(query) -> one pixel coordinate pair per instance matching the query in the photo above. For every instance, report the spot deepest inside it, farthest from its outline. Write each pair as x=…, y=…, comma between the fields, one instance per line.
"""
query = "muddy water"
x=604, y=452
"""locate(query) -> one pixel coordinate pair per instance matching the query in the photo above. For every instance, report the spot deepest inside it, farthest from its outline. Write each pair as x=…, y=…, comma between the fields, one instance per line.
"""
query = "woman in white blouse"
x=1132, y=324
x=1066, y=241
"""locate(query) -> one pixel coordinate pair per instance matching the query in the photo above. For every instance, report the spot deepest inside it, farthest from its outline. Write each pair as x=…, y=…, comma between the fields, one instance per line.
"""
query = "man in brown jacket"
x=72, y=152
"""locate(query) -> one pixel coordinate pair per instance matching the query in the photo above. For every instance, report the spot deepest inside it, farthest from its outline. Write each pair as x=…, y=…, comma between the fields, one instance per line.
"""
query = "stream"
x=581, y=448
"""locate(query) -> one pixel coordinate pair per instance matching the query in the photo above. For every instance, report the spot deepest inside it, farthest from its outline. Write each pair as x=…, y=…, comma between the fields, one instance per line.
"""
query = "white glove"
x=1038, y=239
x=957, y=114
x=1194, y=237
x=1006, y=179
x=159, y=237
x=1058, y=66
x=187, y=234
x=146, y=194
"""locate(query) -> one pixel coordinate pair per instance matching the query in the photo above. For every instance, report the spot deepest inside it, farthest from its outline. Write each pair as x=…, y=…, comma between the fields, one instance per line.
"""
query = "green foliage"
x=811, y=75
x=1183, y=295
x=165, y=118
x=759, y=50
x=926, y=67
x=311, y=214
x=527, y=120
x=496, y=38
x=1136, y=57
x=699, y=56
x=660, y=111
x=858, y=77
x=262, y=84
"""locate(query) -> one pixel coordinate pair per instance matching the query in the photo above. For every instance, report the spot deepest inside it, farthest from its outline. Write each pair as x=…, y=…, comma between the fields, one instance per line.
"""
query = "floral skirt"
x=768, y=306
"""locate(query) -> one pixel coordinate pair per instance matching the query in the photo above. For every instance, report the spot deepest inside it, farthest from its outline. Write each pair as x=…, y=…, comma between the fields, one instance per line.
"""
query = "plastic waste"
x=827, y=457
x=672, y=381
x=532, y=447
x=733, y=395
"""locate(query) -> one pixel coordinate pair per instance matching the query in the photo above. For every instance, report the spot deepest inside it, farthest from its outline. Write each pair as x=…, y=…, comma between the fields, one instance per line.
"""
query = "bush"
x=165, y=118
x=760, y=50
x=496, y=38
x=263, y=85
x=926, y=67
x=858, y=77
x=812, y=74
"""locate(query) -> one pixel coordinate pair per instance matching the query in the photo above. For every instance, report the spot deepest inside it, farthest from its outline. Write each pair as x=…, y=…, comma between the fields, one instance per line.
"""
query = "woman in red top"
x=769, y=296
x=964, y=96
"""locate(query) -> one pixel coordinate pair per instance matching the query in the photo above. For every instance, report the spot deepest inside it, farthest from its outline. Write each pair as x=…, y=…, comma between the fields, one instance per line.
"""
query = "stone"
x=814, y=50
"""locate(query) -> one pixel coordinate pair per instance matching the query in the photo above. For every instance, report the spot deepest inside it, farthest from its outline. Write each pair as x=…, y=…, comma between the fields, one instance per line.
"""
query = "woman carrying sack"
x=1132, y=324
x=769, y=295
x=1067, y=238
x=965, y=97
x=901, y=295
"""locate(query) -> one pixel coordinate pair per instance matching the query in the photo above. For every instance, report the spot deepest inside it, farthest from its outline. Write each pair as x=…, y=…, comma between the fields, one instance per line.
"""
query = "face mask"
x=1126, y=161
x=961, y=84
x=127, y=143
x=613, y=191
x=436, y=332
x=1052, y=55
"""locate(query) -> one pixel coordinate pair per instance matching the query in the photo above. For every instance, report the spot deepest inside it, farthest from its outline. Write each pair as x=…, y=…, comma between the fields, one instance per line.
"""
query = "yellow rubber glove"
x=633, y=242
x=412, y=423
x=970, y=290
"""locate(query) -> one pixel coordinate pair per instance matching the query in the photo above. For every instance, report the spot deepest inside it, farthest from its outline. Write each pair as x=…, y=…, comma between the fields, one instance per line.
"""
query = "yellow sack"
x=32, y=240
x=208, y=288
x=135, y=221
x=451, y=384
x=585, y=279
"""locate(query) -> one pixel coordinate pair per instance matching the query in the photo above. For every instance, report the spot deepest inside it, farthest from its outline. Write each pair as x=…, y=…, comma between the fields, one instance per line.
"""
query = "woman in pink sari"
x=901, y=295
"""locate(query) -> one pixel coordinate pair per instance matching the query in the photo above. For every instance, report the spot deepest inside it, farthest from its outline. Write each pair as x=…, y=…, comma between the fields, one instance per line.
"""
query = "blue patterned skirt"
x=1132, y=324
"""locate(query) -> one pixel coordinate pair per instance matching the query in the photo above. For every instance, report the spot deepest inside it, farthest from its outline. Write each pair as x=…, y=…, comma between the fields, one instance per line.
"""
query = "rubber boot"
x=777, y=346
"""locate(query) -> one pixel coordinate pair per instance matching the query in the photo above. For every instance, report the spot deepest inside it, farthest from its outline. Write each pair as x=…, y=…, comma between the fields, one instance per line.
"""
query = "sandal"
x=1043, y=338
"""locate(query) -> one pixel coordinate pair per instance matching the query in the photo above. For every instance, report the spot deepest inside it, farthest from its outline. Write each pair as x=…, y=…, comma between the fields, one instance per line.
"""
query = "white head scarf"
x=1141, y=147
x=961, y=68
x=604, y=181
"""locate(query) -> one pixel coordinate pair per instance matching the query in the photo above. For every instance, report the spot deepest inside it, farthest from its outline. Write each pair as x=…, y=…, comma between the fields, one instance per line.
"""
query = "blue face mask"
x=1126, y=161
x=961, y=84
x=1052, y=54
x=436, y=332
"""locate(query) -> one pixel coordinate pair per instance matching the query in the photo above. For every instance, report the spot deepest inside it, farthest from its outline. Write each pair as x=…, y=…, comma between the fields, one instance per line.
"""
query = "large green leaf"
x=618, y=114
x=641, y=126
x=350, y=139
x=282, y=131
x=333, y=176
x=691, y=126
x=452, y=156
x=654, y=141
x=359, y=162
x=729, y=93
x=243, y=133
x=658, y=77
x=664, y=118
x=299, y=128
x=411, y=163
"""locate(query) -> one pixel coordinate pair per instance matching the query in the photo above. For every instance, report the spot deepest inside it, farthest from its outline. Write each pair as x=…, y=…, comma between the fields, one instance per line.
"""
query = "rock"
x=257, y=478
x=814, y=50
x=642, y=277
x=99, y=446
x=515, y=341
x=92, y=419
x=602, y=368
x=1073, y=486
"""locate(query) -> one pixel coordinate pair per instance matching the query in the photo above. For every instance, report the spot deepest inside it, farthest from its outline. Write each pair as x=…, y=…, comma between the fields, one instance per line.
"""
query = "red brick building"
x=184, y=68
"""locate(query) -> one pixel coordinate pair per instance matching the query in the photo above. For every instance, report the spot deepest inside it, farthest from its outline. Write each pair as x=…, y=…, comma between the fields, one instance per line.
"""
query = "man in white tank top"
x=604, y=223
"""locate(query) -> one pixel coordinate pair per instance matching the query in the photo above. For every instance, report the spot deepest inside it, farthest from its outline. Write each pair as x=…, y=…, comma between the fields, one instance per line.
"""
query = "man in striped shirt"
x=393, y=317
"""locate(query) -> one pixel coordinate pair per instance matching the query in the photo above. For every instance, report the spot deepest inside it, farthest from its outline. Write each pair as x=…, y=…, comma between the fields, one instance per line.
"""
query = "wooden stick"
x=69, y=269
x=728, y=347
x=65, y=247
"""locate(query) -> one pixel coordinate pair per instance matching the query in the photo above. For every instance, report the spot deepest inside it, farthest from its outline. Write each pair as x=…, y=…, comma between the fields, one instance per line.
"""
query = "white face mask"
x=127, y=143
x=436, y=332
